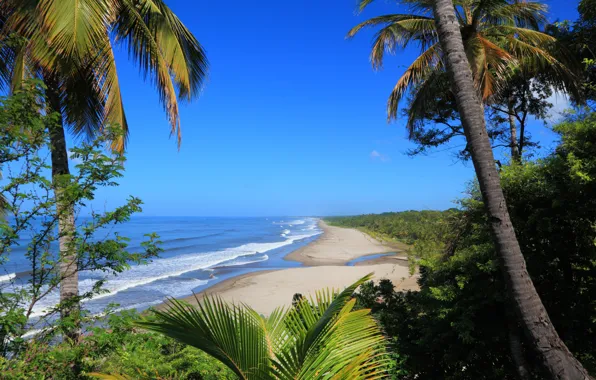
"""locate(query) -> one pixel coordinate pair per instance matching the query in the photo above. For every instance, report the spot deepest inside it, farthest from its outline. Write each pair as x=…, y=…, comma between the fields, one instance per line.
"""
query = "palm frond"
x=143, y=30
x=425, y=93
x=333, y=306
x=229, y=333
x=397, y=34
x=559, y=71
x=185, y=55
x=495, y=68
x=8, y=64
x=131, y=29
x=421, y=23
x=107, y=79
x=360, y=342
x=320, y=338
x=82, y=100
x=19, y=68
x=71, y=27
x=534, y=37
x=3, y=206
x=362, y=4
x=315, y=325
x=277, y=337
x=521, y=13
x=413, y=75
x=424, y=6
x=532, y=55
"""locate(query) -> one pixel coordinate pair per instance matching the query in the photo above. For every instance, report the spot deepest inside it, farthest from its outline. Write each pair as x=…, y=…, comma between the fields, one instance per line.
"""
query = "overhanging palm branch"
x=398, y=32
x=499, y=37
x=320, y=338
x=415, y=74
x=74, y=39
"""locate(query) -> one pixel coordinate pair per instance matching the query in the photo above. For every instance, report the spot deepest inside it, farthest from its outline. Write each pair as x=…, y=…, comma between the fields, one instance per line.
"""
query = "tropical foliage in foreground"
x=117, y=347
x=320, y=338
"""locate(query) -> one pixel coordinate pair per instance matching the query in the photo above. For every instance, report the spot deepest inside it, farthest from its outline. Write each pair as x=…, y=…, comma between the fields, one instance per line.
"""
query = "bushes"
x=116, y=348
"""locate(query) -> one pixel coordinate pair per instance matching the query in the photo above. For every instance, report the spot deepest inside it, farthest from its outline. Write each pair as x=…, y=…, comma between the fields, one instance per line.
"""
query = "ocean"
x=198, y=252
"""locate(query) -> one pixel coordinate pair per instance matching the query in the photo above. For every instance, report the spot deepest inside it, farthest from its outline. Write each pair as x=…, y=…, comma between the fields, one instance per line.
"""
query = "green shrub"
x=116, y=348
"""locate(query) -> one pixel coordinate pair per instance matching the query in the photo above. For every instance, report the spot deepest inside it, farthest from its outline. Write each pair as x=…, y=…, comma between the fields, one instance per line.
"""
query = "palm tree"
x=69, y=44
x=539, y=330
x=322, y=339
x=500, y=38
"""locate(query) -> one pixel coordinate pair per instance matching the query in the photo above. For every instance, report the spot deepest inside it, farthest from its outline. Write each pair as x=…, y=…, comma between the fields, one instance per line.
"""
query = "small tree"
x=30, y=210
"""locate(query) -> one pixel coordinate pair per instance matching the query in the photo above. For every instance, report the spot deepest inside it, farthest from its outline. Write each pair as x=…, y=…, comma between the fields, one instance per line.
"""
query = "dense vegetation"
x=119, y=347
x=459, y=325
x=406, y=226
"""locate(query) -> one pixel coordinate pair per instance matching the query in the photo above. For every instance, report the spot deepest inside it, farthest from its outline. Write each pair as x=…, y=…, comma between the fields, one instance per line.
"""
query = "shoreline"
x=325, y=265
x=331, y=248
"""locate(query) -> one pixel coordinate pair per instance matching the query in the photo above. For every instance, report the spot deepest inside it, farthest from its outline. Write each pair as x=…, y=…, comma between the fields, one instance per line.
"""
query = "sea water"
x=198, y=252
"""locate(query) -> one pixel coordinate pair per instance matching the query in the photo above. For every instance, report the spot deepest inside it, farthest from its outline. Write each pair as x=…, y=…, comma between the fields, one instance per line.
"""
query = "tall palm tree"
x=500, y=38
x=69, y=44
x=539, y=330
x=322, y=339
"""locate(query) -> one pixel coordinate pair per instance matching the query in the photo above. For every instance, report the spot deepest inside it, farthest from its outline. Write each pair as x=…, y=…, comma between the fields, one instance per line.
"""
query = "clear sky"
x=291, y=121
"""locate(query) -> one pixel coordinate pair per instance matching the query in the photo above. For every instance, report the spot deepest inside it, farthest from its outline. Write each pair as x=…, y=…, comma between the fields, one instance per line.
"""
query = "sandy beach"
x=339, y=245
x=325, y=261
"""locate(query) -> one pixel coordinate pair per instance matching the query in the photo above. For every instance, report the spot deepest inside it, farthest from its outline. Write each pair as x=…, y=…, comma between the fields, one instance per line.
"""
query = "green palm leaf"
x=185, y=55
x=131, y=29
x=71, y=27
x=72, y=40
x=525, y=14
x=230, y=333
x=322, y=338
x=413, y=76
x=397, y=34
x=499, y=37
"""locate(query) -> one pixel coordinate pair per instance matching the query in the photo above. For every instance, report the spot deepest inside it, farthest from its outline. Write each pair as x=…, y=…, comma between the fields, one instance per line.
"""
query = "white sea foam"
x=285, y=233
x=161, y=269
x=235, y=264
x=291, y=222
x=7, y=277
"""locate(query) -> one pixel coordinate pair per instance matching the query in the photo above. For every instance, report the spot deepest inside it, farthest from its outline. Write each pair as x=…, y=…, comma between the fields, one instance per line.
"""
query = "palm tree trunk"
x=515, y=152
x=554, y=355
x=515, y=347
x=68, y=270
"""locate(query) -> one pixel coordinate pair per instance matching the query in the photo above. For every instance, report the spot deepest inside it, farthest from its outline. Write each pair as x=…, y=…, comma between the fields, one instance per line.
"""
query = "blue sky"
x=291, y=121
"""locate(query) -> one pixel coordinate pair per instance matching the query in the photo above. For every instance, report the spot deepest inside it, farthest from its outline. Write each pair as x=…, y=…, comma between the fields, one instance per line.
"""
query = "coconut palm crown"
x=499, y=37
x=71, y=44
